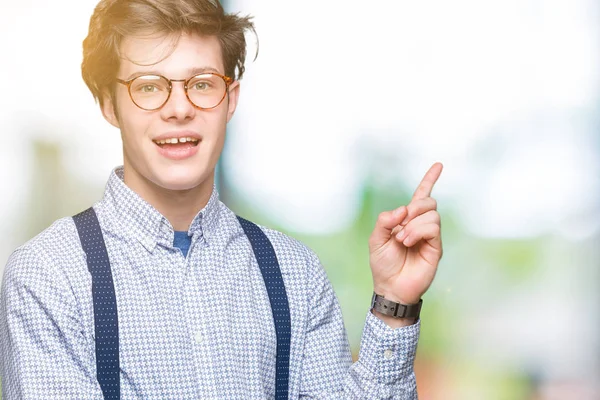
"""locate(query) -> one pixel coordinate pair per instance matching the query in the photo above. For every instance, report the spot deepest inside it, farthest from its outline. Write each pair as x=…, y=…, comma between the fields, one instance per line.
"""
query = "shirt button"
x=198, y=337
x=149, y=242
x=388, y=354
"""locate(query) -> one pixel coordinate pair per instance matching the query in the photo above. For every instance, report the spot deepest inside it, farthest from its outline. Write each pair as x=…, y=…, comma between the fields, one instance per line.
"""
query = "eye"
x=149, y=84
x=201, y=85
x=148, y=89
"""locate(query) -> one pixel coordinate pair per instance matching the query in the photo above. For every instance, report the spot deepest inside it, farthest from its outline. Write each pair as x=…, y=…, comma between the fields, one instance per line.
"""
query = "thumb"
x=386, y=222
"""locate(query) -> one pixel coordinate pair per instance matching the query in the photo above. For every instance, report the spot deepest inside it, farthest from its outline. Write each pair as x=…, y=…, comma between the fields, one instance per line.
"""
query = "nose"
x=178, y=107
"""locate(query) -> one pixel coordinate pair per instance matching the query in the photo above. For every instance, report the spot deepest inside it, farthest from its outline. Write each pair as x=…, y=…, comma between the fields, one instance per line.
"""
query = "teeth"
x=176, y=140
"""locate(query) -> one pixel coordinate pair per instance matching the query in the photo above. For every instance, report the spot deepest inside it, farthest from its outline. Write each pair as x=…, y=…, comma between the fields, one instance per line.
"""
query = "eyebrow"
x=190, y=72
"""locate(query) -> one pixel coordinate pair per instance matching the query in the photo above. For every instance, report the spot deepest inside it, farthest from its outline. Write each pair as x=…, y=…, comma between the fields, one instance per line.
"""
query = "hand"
x=405, y=246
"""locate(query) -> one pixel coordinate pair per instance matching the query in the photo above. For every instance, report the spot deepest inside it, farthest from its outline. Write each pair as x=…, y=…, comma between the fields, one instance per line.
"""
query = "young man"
x=198, y=317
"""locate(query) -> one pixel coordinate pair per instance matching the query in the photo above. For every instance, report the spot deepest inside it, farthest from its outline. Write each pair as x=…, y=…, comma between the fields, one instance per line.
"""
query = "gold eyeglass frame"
x=228, y=81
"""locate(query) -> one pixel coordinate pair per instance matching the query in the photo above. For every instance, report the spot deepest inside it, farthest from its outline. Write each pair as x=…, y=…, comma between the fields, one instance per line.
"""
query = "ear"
x=108, y=110
x=233, y=95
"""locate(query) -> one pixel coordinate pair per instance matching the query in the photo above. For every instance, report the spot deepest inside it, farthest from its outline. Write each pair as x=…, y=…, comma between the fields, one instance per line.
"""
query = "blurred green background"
x=341, y=114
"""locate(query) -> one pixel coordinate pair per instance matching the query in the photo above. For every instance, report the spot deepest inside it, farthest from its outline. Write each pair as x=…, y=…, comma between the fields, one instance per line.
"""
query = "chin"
x=181, y=179
x=179, y=185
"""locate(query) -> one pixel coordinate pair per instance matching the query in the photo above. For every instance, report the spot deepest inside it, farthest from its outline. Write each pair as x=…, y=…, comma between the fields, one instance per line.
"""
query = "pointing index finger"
x=426, y=186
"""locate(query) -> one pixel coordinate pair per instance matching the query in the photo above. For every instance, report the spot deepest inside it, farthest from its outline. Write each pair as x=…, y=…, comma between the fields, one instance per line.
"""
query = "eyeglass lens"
x=151, y=92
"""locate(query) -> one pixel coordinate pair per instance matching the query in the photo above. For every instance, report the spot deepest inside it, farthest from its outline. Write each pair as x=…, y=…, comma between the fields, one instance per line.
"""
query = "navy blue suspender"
x=105, y=306
x=269, y=267
x=105, y=303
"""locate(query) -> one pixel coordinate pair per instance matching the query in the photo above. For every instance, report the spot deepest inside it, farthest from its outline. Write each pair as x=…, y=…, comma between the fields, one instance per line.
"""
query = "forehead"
x=171, y=55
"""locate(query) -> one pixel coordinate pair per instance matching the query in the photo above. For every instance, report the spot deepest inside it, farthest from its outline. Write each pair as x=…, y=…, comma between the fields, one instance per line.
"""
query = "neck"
x=178, y=206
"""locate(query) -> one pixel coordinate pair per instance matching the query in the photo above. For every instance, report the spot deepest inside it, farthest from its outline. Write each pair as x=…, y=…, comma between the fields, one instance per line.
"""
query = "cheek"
x=135, y=124
x=212, y=124
x=219, y=132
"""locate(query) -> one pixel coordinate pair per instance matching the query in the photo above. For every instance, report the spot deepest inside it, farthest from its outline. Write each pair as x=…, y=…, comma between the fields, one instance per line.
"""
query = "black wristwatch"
x=393, y=309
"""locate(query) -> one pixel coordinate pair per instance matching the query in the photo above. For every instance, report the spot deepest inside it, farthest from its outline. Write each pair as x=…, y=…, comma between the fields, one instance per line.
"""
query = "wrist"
x=394, y=311
x=394, y=322
x=389, y=295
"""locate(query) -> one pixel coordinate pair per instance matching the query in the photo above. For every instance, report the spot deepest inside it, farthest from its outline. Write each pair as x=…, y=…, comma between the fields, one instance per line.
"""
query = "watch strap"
x=394, y=309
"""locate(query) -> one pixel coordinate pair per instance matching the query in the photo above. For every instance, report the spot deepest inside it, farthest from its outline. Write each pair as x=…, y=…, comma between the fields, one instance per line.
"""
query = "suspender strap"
x=269, y=267
x=105, y=303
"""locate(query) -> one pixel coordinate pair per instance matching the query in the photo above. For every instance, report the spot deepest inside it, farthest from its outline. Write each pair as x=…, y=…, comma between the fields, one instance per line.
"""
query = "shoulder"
x=288, y=247
x=45, y=256
x=292, y=254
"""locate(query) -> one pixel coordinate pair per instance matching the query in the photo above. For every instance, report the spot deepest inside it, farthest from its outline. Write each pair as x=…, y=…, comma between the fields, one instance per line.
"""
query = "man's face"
x=180, y=166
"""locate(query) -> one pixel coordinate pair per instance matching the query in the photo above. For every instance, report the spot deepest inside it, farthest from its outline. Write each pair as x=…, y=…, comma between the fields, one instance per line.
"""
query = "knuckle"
x=428, y=217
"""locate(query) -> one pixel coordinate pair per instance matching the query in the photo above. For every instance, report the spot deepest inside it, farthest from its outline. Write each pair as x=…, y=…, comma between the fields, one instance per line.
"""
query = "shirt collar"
x=145, y=223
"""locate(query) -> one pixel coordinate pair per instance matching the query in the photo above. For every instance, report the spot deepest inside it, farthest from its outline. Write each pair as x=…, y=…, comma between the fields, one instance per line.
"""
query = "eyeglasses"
x=151, y=92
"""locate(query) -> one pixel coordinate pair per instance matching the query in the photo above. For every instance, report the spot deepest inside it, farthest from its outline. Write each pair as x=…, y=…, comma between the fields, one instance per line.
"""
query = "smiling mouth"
x=177, y=143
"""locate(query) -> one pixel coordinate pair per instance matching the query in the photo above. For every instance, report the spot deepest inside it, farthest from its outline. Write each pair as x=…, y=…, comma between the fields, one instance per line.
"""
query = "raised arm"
x=384, y=368
x=404, y=252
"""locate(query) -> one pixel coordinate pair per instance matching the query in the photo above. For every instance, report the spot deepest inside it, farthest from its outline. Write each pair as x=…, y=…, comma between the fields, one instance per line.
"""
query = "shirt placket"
x=198, y=321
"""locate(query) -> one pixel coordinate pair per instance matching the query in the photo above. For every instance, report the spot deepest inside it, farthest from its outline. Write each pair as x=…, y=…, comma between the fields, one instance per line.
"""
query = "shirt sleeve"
x=44, y=352
x=384, y=369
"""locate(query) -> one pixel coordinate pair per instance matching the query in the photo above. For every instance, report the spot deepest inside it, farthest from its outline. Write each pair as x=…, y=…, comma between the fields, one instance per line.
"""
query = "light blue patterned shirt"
x=195, y=327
